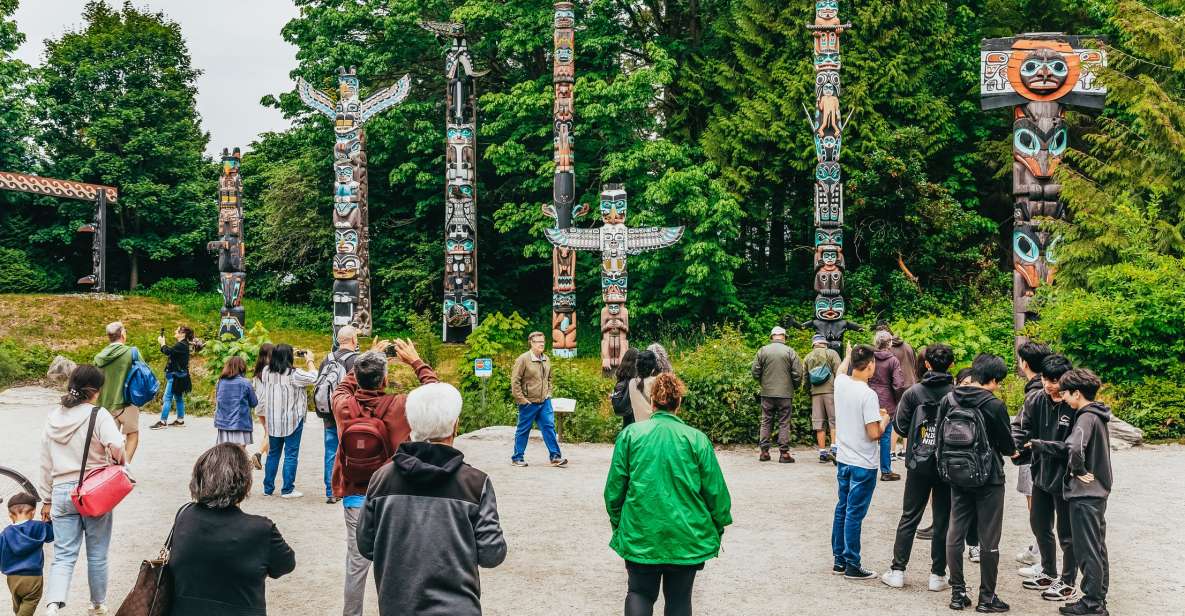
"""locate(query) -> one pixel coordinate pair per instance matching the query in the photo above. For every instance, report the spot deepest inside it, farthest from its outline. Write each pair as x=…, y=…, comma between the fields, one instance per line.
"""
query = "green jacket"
x=114, y=361
x=778, y=369
x=665, y=494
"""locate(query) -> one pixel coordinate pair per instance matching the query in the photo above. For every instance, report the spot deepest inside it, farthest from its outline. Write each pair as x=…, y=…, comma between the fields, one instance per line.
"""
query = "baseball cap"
x=777, y=331
x=817, y=338
x=22, y=498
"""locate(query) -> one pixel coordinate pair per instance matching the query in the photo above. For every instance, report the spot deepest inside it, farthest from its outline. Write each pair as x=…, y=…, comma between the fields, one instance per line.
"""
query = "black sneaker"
x=858, y=573
x=996, y=606
x=959, y=600
x=838, y=569
x=180, y=423
x=160, y=425
x=1079, y=609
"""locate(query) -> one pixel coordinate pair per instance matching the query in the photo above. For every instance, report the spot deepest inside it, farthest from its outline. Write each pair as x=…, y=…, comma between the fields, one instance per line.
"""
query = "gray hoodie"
x=1089, y=445
x=63, y=440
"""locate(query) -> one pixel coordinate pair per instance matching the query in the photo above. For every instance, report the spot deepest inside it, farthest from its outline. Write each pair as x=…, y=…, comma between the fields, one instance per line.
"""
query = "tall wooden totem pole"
x=460, y=199
x=1037, y=75
x=351, y=216
x=827, y=126
x=615, y=242
x=230, y=246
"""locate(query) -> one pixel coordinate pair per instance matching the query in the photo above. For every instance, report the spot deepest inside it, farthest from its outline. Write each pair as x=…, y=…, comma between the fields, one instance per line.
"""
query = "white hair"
x=347, y=333
x=114, y=328
x=432, y=411
x=882, y=339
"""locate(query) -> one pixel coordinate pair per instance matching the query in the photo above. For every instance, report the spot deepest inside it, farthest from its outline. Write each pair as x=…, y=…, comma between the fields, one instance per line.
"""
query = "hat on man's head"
x=817, y=338
x=22, y=498
x=777, y=331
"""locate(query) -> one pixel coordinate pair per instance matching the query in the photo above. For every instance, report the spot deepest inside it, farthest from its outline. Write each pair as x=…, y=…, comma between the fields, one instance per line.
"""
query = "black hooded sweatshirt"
x=911, y=411
x=1045, y=424
x=1089, y=446
x=995, y=420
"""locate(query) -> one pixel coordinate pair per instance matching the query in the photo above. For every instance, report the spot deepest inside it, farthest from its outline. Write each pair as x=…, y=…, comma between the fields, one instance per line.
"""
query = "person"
x=910, y=365
x=177, y=381
x=985, y=503
x=665, y=541
x=821, y=365
x=361, y=398
x=285, y=402
x=530, y=386
x=916, y=421
x=662, y=358
x=235, y=399
x=860, y=421
x=261, y=361
x=889, y=383
x=115, y=360
x=1029, y=358
x=62, y=457
x=22, y=559
x=221, y=557
x=430, y=521
x=346, y=354
x=1087, y=486
x=626, y=371
x=779, y=371
x=964, y=378
x=641, y=386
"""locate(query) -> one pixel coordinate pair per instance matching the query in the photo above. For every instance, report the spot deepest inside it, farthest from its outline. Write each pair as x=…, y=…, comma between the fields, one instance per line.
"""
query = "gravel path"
x=776, y=556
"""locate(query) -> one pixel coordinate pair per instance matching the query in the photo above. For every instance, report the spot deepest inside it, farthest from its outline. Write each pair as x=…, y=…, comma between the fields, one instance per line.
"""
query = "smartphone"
x=300, y=352
x=390, y=350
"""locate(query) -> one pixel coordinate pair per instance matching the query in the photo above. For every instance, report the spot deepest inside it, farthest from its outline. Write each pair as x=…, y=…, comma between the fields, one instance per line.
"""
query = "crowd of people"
x=426, y=522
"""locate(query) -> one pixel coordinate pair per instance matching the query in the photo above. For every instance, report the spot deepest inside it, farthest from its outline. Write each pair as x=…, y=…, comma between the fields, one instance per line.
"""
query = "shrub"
x=986, y=330
x=19, y=275
x=217, y=352
x=593, y=420
x=1156, y=405
x=169, y=288
x=425, y=333
x=19, y=363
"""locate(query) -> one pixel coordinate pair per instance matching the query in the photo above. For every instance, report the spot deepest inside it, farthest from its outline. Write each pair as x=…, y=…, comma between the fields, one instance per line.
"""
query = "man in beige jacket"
x=530, y=384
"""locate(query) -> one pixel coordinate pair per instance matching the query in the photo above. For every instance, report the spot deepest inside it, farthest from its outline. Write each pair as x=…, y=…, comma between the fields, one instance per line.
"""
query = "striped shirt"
x=284, y=399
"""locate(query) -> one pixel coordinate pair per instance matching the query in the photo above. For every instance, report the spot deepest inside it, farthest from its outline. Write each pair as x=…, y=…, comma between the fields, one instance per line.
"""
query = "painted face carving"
x=829, y=308
x=829, y=281
x=1044, y=70
x=346, y=267
x=1039, y=145
x=827, y=9
x=827, y=172
x=613, y=207
x=347, y=241
x=1031, y=250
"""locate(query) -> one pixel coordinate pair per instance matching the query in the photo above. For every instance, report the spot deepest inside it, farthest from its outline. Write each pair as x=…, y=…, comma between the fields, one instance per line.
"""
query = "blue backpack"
x=141, y=385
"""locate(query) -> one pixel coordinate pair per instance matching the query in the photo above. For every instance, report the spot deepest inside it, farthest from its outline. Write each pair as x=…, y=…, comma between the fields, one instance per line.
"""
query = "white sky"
x=236, y=44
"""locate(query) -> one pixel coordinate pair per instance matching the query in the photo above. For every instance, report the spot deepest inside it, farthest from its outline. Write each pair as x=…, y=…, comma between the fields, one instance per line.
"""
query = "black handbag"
x=152, y=594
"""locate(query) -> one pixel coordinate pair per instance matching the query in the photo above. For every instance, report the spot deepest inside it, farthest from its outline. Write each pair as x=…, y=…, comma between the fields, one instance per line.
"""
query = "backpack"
x=620, y=399
x=328, y=378
x=820, y=374
x=923, y=436
x=141, y=385
x=364, y=448
x=965, y=456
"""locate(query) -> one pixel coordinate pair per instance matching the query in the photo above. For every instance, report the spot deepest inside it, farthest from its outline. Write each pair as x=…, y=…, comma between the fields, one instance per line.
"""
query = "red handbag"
x=99, y=491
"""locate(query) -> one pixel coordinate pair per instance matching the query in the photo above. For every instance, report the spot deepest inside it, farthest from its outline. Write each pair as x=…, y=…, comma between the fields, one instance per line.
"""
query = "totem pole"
x=614, y=241
x=1037, y=74
x=827, y=129
x=460, y=199
x=230, y=247
x=351, y=217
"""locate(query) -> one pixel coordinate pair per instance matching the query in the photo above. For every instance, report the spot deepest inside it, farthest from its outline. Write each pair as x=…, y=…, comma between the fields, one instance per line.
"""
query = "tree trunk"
x=135, y=263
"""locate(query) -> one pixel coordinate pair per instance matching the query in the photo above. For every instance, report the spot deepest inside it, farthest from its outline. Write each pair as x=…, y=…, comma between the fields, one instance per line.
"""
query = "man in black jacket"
x=1040, y=432
x=984, y=504
x=1029, y=357
x=916, y=419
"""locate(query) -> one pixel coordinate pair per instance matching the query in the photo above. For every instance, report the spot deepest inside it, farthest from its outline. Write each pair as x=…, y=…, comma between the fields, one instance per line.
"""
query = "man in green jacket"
x=115, y=361
x=779, y=371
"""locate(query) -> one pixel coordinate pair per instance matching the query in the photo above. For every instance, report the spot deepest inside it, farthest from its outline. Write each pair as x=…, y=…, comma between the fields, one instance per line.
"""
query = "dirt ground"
x=776, y=556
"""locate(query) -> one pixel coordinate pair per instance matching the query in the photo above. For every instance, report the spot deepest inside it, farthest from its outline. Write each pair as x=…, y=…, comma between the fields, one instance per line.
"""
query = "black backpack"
x=923, y=436
x=966, y=458
x=620, y=399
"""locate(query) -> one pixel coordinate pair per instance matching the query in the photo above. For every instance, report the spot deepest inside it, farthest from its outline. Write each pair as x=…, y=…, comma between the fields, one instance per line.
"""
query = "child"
x=21, y=558
x=235, y=399
x=1087, y=487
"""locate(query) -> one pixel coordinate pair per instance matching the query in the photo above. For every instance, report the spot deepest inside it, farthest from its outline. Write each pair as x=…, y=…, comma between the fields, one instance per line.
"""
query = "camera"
x=300, y=352
x=390, y=350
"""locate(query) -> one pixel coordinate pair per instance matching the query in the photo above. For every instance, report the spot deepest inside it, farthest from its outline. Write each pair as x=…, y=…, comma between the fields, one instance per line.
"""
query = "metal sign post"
x=483, y=368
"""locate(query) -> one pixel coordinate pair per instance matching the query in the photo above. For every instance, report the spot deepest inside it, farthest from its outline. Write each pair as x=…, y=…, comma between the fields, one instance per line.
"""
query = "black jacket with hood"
x=911, y=414
x=429, y=522
x=995, y=420
x=1045, y=424
x=1089, y=446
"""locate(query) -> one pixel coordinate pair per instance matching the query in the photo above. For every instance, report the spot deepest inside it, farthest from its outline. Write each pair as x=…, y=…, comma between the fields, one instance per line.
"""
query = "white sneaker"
x=1060, y=591
x=893, y=578
x=938, y=583
x=292, y=494
x=51, y=609
x=1031, y=571
x=97, y=610
x=1028, y=556
x=974, y=554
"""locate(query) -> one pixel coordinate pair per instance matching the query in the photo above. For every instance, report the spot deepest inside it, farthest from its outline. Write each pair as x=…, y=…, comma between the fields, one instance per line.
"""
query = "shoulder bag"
x=99, y=491
x=152, y=594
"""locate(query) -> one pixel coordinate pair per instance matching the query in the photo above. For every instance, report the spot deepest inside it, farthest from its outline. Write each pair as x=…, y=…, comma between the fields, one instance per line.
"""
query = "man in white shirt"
x=859, y=424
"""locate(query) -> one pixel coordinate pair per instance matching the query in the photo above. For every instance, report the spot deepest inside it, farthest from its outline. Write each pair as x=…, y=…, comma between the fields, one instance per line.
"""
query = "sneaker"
x=890, y=476
x=959, y=600
x=974, y=557
x=938, y=583
x=1028, y=556
x=267, y=493
x=257, y=460
x=996, y=606
x=52, y=609
x=785, y=458
x=519, y=463
x=158, y=425
x=292, y=494
x=764, y=457
x=180, y=423
x=1041, y=582
x=926, y=533
x=824, y=456
x=893, y=578
x=332, y=500
x=858, y=573
x=97, y=610
x=1080, y=609
x=559, y=462
x=1060, y=591
x=1031, y=571
x=838, y=569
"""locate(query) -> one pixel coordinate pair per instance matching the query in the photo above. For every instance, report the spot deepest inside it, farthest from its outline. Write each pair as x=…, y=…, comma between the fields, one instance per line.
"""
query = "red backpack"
x=365, y=447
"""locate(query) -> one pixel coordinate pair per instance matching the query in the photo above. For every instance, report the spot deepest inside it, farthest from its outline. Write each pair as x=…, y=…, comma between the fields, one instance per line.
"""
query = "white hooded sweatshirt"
x=65, y=435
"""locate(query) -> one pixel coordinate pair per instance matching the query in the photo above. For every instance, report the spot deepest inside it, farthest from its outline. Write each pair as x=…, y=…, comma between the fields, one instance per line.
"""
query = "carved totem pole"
x=1037, y=74
x=827, y=127
x=351, y=217
x=230, y=247
x=460, y=199
x=614, y=241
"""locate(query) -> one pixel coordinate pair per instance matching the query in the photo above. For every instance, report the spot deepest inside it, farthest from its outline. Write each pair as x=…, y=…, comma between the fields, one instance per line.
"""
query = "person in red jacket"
x=358, y=402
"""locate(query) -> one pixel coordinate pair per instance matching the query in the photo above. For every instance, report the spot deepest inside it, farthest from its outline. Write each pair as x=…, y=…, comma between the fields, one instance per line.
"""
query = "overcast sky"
x=236, y=44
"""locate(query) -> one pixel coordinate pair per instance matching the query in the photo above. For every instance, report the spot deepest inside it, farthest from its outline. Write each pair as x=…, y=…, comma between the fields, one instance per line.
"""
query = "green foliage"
x=986, y=330
x=22, y=363
x=1155, y=405
x=500, y=338
x=593, y=419
x=19, y=275
x=425, y=333
x=217, y=352
x=169, y=288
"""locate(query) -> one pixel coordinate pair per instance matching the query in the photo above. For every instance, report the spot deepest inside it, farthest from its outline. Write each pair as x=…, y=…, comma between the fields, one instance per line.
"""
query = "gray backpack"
x=332, y=372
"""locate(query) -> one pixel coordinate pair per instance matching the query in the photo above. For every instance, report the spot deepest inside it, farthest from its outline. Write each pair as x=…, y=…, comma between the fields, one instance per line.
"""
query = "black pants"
x=1089, y=527
x=919, y=486
x=644, y=580
x=1047, y=506
x=626, y=420
x=986, y=505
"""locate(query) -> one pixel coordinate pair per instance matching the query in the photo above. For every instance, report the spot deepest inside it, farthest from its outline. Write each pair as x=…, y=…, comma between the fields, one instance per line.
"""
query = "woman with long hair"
x=640, y=385
x=626, y=371
x=177, y=382
x=261, y=362
x=662, y=357
x=236, y=398
x=283, y=390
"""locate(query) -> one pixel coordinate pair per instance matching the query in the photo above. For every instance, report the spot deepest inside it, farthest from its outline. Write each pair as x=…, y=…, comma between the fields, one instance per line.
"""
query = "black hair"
x=85, y=381
x=187, y=332
x=1082, y=381
x=940, y=357
x=263, y=359
x=988, y=369
x=281, y=362
x=861, y=355
x=1034, y=354
x=647, y=366
x=962, y=375
x=1055, y=366
x=628, y=367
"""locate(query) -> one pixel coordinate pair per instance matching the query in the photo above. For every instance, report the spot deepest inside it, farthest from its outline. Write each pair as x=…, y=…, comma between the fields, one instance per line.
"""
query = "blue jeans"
x=886, y=450
x=290, y=446
x=330, y=455
x=70, y=530
x=169, y=397
x=528, y=415
x=855, y=494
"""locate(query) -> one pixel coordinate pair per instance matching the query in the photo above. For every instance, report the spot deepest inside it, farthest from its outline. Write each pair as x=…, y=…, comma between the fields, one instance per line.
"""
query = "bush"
x=19, y=275
x=425, y=333
x=19, y=363
x=170, y=288
x=217, y=352
x=1156, y=406
x=593, y=420
x=986, y=330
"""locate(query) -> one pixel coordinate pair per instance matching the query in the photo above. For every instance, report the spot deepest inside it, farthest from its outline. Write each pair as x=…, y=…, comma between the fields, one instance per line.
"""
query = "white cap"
x=777, y=331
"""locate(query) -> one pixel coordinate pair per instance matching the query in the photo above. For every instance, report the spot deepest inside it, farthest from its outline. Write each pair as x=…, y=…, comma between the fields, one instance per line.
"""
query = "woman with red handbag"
x=78, y=437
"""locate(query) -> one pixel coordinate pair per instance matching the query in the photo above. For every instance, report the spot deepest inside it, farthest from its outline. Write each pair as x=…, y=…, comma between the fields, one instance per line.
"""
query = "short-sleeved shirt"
x=856, y=406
